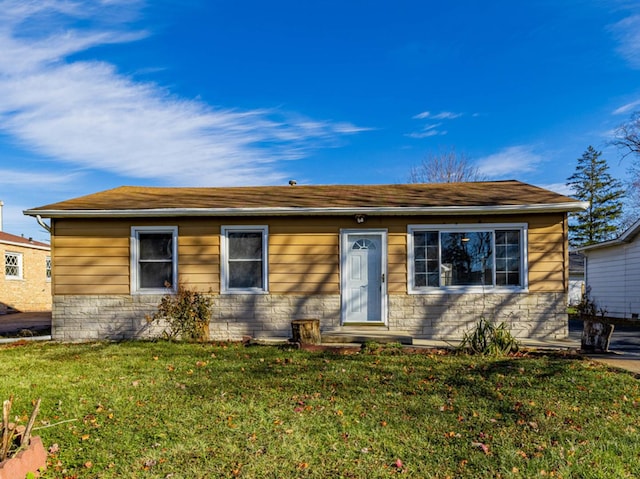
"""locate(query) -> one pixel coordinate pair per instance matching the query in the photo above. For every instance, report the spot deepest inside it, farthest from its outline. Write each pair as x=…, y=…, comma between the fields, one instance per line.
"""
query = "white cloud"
x=430, y=129
x=30, y=179
x=624, y=109
x=443, y=115
x=427, y=131
x=87, y=114
x=627, y=32
x=446, y=115
x=509, y=162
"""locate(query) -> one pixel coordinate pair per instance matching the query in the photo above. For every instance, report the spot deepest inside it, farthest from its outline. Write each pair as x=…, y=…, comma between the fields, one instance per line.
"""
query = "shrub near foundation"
x=187, y=314
x=489, y=339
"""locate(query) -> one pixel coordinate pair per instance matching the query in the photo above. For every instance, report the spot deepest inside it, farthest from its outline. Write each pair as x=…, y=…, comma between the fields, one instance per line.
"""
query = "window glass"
x=244, y=265
x=245, y=260
x=156, y=275
x=473, y=258
x=153, y=262
x=245, y=274
x=467, y=259
x=155, y=246
x=155, y=257
x=245, y=246
x=508, y=258
x=426, y=258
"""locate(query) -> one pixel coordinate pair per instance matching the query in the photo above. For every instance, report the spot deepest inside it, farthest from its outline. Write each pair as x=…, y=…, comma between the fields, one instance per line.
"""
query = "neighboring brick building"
x=25, y=275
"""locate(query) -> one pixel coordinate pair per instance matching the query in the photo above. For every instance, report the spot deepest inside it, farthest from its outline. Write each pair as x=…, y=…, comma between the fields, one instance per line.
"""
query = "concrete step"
x=381, y=335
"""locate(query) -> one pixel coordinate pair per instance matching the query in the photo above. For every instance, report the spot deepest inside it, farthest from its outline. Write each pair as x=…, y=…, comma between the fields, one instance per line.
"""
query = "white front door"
x=363, y=276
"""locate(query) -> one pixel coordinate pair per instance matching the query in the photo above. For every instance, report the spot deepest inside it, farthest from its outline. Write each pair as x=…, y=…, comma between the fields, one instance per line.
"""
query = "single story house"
x=612, y=274
x=429, y=260
x=25, y=277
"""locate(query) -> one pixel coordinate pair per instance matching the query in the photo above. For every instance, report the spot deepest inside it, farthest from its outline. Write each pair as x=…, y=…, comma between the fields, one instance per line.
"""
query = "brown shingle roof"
x=21, y=240
x=347, y=197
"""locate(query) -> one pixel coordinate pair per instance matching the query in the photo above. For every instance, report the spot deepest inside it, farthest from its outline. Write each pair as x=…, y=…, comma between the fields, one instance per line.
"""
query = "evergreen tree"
x=592, y=182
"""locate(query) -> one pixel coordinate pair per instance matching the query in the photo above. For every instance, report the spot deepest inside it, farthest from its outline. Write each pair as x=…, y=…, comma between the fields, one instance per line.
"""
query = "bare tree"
x=447, y=166
x=627, y=136
x=627, y=139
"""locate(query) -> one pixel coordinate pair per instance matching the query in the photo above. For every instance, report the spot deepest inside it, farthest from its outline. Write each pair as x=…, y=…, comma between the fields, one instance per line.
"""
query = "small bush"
x=489, y=339
x=187, y=313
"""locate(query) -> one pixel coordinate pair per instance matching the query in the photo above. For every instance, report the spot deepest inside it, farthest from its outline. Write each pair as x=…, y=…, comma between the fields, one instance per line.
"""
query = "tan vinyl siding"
x=547, y=253
x=304, y=256
x=397, y=259
x=92, y=256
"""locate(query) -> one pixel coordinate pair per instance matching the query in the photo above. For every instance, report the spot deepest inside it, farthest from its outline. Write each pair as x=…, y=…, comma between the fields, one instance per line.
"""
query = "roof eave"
x=290, y=211
x=26, y=245
x=626, y=237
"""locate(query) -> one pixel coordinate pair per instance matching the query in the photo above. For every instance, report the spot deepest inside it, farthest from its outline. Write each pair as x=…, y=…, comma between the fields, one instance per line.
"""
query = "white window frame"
x=468, y=228
x=135, y=256
x=224, y=258
x=19, y=264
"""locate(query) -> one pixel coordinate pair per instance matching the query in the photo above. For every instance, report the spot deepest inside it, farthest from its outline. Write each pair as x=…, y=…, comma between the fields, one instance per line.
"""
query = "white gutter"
x=288, y=211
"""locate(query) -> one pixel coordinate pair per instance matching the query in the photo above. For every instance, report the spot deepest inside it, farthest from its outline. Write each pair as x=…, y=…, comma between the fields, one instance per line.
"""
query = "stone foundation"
x=82, y=318
x=449, y=316
x=442, y=316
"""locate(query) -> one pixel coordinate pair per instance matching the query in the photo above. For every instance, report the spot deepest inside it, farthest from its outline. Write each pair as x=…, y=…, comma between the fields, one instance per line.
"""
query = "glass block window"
x=47, y=267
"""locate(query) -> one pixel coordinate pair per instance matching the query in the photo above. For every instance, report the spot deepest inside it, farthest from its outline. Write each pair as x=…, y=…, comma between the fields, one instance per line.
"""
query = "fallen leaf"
x=482, y=446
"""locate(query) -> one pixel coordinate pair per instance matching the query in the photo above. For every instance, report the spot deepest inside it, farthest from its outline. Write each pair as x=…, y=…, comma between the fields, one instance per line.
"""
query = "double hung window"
x=467, y=257
x=244, y=259
x=12, y=265
x=154, y=259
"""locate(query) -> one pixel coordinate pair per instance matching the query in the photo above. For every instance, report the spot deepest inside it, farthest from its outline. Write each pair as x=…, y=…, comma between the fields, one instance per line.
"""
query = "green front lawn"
x=167, y=410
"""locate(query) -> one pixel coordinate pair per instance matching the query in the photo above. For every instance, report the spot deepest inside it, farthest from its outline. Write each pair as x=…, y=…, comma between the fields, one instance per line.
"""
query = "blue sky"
x=98, y=94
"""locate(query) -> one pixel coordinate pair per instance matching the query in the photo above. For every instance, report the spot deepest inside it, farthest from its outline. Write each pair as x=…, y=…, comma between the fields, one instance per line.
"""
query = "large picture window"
x=467, y=257
x=244, y=259
x=154, y=259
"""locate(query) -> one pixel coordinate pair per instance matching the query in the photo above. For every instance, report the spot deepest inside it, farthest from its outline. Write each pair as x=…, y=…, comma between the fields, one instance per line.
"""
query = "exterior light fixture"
x=360, y=219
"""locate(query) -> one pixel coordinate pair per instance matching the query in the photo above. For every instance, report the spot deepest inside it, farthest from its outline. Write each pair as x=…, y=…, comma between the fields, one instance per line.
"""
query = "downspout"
x=43, y=224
